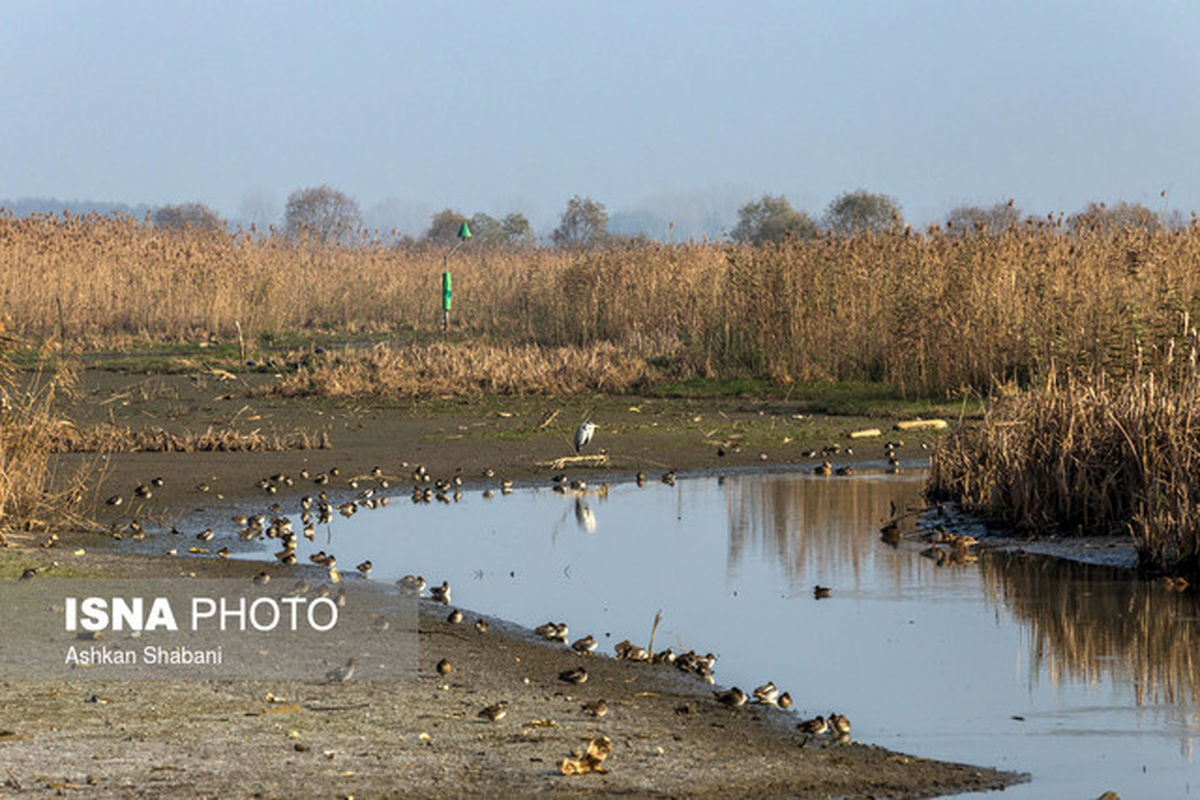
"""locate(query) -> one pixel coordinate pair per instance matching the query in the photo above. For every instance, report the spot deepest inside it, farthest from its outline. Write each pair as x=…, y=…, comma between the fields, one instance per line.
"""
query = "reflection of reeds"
x=831, y=524
x=929, y=313
x=1088, y=455
x=1090, y=622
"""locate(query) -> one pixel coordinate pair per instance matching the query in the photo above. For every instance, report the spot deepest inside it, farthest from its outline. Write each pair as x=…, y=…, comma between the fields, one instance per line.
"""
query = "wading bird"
x=583, y=435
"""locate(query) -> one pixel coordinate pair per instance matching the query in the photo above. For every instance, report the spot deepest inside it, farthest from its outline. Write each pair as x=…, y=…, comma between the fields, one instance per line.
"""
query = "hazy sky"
x=678, y=107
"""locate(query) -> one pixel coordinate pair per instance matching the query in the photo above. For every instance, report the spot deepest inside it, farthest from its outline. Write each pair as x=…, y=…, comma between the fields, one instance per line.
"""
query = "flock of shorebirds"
x=319, y=509
x=690, y=662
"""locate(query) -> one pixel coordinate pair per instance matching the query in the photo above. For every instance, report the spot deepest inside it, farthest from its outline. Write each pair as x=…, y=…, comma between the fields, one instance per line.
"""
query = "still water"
x=1082, y=678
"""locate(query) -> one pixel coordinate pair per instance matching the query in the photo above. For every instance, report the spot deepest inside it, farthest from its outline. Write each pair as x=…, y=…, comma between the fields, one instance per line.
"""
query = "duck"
x=840, y=723
x=846, y=470
x=143, y=491
x=733, y=697
x=441, y=594
x=584, y=646
x=481, y=626
x=596, y=708
x=342, y=673
x=412, y=584
x=455, y=617
x=767, y=693
x=262, y=578
x=784, y=701
x=205, y=534
x=635, y=653
x=577, y=675
x=494, y=712
x=820, y=592
x=444, y=667
x=552, y=631
x=817, y=726
x=824, y=468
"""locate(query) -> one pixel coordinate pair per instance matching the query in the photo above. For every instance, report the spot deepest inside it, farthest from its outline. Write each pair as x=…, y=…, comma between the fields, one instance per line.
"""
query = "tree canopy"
x=584, y=223
x=513, y=230
x=443, y=228
x=322, y=213
x=188, y=215
x=769, y=219
x=860, y=210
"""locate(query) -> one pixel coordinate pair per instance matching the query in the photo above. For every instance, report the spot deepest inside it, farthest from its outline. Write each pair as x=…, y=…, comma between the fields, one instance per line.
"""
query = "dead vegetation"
x=1088, y=454
x=461, y=369
x=930, y=313
x=110, y=438
x=34, y=496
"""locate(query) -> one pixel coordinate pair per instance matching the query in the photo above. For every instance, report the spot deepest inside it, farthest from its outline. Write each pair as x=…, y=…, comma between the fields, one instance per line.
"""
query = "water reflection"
x=1020, y=663
x=812, y=527
x=1094, y=624
x=584, y=516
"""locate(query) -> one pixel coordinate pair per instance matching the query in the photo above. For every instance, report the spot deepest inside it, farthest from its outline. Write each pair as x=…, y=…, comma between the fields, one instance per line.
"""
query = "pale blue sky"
x=674, y=107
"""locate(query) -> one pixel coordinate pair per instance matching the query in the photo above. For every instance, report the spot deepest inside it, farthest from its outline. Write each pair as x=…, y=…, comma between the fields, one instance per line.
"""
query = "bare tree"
x=323, y=213
x=188, y=215
x=972, y=219
x=1099, y=216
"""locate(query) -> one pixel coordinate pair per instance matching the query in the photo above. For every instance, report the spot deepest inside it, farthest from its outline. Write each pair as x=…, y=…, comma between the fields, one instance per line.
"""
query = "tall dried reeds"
x=33, y=496
x=1088, y=454
x=931, y=313
x=436, y=370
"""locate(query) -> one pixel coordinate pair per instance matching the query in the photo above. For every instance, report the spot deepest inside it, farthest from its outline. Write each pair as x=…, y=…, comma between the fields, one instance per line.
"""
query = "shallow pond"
x=1084, y=679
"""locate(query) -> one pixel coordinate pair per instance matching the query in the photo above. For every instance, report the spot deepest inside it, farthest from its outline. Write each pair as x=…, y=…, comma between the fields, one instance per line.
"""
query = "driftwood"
x=597, y=460
x=922, y=425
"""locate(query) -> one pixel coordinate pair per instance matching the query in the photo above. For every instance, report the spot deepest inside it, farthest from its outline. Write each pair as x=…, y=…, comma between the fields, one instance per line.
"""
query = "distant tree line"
x=325, y=214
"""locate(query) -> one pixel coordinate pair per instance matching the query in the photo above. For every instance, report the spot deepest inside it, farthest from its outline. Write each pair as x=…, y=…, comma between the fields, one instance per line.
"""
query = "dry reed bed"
x=109, y=438
x=928, y=312
x=463, y=369
x=33, y=495
x=1089, y=455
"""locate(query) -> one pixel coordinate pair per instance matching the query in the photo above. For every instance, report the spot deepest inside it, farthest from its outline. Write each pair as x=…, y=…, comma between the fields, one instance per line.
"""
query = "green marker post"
x=464, y=233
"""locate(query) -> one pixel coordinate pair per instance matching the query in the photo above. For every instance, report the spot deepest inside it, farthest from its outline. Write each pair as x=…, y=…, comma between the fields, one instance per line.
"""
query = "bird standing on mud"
x=583, y=435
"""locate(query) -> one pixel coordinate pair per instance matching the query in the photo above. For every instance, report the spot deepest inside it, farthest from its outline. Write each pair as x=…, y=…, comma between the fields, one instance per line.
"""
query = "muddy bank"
x=515, y=438
x=422, y=735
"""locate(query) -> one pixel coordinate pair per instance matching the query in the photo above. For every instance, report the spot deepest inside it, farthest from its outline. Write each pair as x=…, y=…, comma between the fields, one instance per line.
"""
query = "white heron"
x=583, y=435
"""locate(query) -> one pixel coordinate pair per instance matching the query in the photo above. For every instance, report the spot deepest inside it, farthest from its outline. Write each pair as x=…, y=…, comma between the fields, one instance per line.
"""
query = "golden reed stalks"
x=931, y=313
x=1091, y=455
